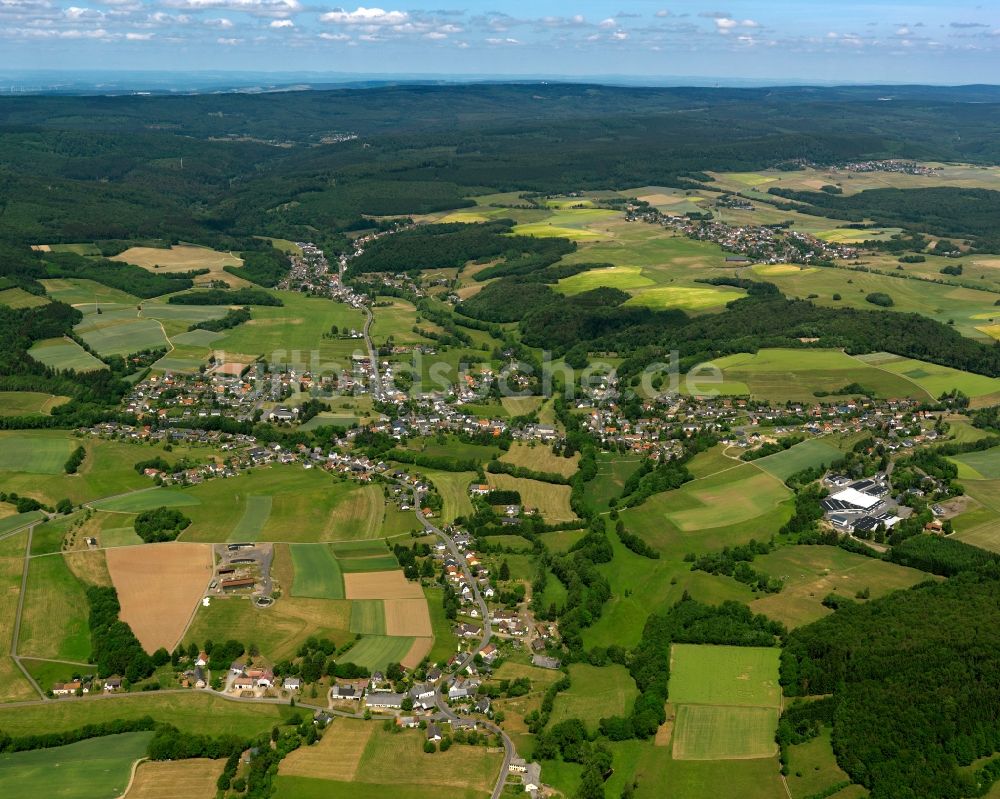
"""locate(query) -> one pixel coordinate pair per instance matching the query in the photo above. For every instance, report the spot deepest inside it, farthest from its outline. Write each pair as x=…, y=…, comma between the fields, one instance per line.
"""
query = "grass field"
x=77, y=291
x=378, y=651
x=184, y=258
x=712, y=732
x=147, y=499
x=813, y=767
x=659, y=775
x=983, y=465
x=445, y=643
x=28, y=403
x=384, y=561
x=368, y=616
x=791, y=374
x=551, y=500
x=64, y=353
x=981, y=526
x=171, y=779
x=34, y=454
x=193, y=711
x=14, y=686
x=540, y=459
x=255, y=515
x=19, y=298
x=15, y=520
x=53, y=592
x=96, y=767
x=108, y=335
x=454, y=490
x=810, y=573
x=685, y=297
x=934, y=378
x=724, y=675
x=595, y=693
x=806, y=455
x=317, y=572
x=625, y=278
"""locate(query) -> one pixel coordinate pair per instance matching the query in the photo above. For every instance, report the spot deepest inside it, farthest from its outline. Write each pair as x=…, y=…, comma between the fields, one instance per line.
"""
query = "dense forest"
x=914, y=679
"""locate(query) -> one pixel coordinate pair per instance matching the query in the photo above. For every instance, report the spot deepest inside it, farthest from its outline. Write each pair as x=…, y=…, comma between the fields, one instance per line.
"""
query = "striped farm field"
x=335, y=757
x=934, y=378
x=19, y=298
x=724, y=675
x=712, y=732
x=64, y=353
x=368, y=617
x=251, y=523
x=385, y=561
x=805, y=455
x=983, y=465
x=380, y=585
x=28, y=403
x=540, y=458
x=550, y=499
x=34, y=453
x=147, y=499
x=317, y=572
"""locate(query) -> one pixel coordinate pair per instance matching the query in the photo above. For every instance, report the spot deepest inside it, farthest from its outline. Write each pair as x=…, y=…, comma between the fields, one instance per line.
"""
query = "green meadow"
x=368, y=617
x=54, y=593
x=745, y=676
x=317, y=572
x=934, y=378
x=378, y=651
x=806, y=455
x=64, y=353
x=96, y=767
x=29, y=403
x=595, y=693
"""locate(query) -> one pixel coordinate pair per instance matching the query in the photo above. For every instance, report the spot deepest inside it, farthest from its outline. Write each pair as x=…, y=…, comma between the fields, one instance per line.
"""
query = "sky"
x=924, y=41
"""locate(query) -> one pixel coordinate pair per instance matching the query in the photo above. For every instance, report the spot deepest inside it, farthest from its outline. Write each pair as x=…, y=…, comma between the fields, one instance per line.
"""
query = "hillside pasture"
x=18, y=298
x=13, y=685
x=147, y=499
x=549, y=499
x=35, y=454
x=810, y=573
x=540, y=458
x=368, y=617
x=29, y=403
x=79, y=291
x=83, y=770
x=686, y=298
x=375, y=652
x=934, y=378
x=185, y=258
x=54, y=592
x=794, y=374
x=454, y=490
x=335, y=757
x=806, y=455
x=63, y=354
x=983, y=465
x=256, y=512
x=159, y=586
x=117, y=336
x=595, y=693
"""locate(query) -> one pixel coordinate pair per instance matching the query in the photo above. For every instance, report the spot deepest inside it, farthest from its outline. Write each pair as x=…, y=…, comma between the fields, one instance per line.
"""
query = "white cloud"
x=507, y=41
x=619, y=36
x=726, y=24
x=662, y=13
x=282, y=23
x=608, y=23
x=222, y=22
x=335, y=37
x=273, y=8
x=436, y=35
x=365, y=16
x=138, y=37
x=229, y=42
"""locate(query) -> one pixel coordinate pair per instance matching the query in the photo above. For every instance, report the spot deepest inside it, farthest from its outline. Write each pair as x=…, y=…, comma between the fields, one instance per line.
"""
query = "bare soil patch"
x=381, y=585
x=170, y=779
x=335, y=757
x=407, y=617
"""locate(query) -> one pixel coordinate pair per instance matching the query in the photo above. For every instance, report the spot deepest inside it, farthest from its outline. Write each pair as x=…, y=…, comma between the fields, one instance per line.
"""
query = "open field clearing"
x=444, y=643
x=783, y=374
x=712, y=732
x=79, y=291
x=159, y=586
x=317, y=572
x=335, y=757
x=375, y=652
x=813, y=766
x=724, y=675
x=661, y=775
x=981, y=527
x=27, y=452
x=540, y=458
x=194, y=711
x=25, y=403
x=811, y=573
x=83, y=770
x=64, y=353
x=279, y=630
x=89, y=566
x=305, y=506
x=368, y=617
x=53, y=592
x=711, y=461
x=380, y=585
x=19, y=298
x=936, y=379
x=685, y=298
x=385, y=561
x=520, y=406
x=14, y=686
x=454, y=490
x=595, y=693
x=419, y=649
x=15, y=520
x=551, y=500
x=407, y=617
x=276, y=332
x=184, y=258
x=545, y=230
x=170, y=779
x=806, y=455
x=612, y=472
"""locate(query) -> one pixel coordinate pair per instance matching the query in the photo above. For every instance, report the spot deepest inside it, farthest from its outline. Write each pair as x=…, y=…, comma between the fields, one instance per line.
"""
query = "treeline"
x=233, y=318
x=125, y=277
x=75, y=460
x=265, y=267
x=114, y=647
x=772, y=447
x=735, y=562
x=944, y=556
x=50, y=740
x=912, y=674
x=446, y=463
x=160, y=524
x=501, y=467
x=634, y=543
x=245, y=296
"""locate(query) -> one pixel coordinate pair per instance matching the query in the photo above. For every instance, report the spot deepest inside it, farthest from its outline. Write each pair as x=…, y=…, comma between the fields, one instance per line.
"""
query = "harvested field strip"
x=170, y=779
x=317, y=572
x=368, y=617
x=358, y=549
x=420, y=648
x=407, y=617
x=251, y=523
x=380, y=585
x=159, y=587
x=147, y=499
x=335, y=757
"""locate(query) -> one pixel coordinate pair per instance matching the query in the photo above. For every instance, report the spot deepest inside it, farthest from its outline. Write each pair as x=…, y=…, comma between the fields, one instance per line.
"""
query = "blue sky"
x=792, y=40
